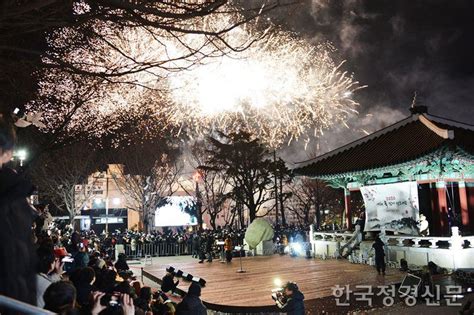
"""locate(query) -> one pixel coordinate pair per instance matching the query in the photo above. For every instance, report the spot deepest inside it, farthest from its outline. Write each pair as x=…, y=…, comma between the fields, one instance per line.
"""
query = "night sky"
x=394, y=47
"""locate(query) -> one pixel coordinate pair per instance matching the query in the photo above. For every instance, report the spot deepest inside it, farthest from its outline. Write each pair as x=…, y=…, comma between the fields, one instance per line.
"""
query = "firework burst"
x=280, y=88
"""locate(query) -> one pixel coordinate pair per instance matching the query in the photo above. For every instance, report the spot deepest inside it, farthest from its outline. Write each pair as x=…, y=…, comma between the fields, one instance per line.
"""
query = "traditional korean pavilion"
x=436, y=152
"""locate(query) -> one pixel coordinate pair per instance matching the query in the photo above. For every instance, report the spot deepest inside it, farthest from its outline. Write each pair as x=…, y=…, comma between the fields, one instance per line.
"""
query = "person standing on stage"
x=378, y=246
x=209, y=247
x=195, y=245
x=228, y=249
x=292, y=300
x=202, y=248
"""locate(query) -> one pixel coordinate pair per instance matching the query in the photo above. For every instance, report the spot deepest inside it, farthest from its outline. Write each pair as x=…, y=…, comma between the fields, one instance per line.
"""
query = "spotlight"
x=296, y=249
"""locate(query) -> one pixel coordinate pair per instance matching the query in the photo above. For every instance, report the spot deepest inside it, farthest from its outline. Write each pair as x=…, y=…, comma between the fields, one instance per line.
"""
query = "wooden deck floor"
x=314, y=277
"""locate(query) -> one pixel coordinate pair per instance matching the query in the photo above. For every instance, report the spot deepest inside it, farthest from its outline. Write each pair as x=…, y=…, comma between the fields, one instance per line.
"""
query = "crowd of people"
x=54, y=267
x=64, y=271
x=76, y=273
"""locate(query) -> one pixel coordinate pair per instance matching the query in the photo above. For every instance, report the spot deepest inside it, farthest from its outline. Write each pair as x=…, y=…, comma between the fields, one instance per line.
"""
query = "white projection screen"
x=176, y=211
x=393, y=206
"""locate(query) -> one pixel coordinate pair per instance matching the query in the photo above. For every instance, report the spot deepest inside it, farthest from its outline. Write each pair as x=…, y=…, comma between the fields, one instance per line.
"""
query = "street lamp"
x=107, y=202
x=98, y=201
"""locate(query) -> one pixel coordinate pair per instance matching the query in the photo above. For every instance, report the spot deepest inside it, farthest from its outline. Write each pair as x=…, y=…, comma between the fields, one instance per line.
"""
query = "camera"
x=111, y=299
x=277, y=295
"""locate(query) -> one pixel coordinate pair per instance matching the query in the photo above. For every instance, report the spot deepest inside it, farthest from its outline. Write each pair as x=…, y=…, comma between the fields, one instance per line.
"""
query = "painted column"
x=442, y=208
x=470, y=204
x=435, y=225
x=464, y=205
x=348, y=210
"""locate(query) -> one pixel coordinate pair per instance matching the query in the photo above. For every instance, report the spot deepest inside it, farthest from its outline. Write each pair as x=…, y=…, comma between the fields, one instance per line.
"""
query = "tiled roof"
x=404, y=141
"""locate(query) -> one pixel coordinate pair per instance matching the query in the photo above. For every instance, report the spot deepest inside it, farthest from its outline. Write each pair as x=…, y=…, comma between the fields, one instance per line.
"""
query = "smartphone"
x=67, y=259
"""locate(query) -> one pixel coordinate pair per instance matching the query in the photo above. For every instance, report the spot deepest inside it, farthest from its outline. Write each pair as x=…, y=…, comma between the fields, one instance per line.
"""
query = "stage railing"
x=455, y=241
x=453, y=252
x=18, y=307
x=158, y=249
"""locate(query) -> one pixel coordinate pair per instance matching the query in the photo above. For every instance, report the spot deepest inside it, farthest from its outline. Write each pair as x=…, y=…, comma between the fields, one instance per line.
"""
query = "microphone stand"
x=240, y=258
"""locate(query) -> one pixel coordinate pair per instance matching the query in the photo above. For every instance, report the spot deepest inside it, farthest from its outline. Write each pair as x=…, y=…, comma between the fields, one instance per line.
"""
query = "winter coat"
x=121, y=265
x=228, y=244
x=295, y=304
x=378, y=246
x=191, y=305
x=168, y=284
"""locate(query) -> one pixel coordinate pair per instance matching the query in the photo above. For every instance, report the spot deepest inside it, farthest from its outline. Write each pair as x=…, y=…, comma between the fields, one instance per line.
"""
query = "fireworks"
x=280, y=88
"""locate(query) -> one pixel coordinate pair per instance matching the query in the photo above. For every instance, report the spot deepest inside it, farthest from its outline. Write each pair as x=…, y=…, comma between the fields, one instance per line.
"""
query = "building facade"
x=105, y=200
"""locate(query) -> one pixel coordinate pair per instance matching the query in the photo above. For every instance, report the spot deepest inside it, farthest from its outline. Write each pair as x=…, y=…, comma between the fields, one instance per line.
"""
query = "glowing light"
x=21, y=154
x=277, y=282
x=297, y=247
x=116, y=201
x=280, y=89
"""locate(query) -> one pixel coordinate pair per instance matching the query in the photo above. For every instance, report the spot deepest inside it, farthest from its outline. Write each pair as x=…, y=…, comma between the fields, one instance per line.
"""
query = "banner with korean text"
x=393, y=206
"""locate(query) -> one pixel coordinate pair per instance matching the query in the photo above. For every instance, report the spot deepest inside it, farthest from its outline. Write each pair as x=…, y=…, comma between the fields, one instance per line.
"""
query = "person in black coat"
x=292, y=301
x=202, y=248
x=17, y=253
x=195, y=245
x=192, y=304
x=168, y=283
x=121, y=264
x=378, y=246
x=209, y=249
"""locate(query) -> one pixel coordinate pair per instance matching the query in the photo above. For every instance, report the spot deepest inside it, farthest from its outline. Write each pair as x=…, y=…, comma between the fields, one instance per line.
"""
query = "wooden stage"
x=315, y=278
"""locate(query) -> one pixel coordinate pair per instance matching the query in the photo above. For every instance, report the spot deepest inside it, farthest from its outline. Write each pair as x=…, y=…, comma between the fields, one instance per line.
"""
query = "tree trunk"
x=141, y=220
x=72, y=222
x=317, y=207
x=199, y=215
x=280, y=197
x=241, y=215
x=318, y=217
x=252, y=213
x=213, y=220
